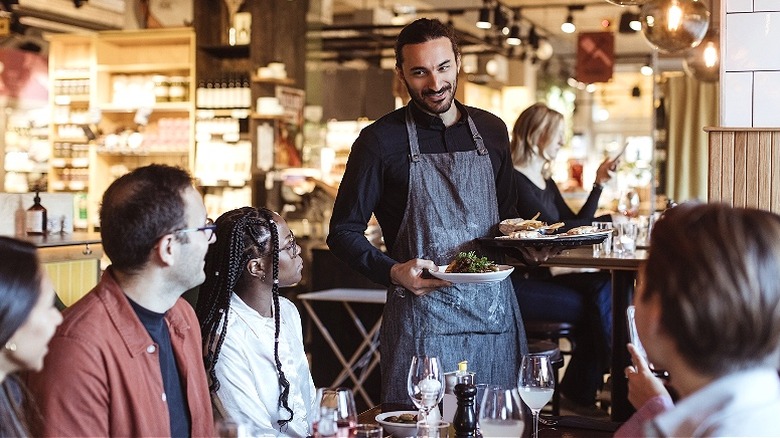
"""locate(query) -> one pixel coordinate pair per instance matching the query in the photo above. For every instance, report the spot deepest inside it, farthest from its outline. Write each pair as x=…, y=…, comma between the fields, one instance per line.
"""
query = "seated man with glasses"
x=127, y=360
x=250, y=333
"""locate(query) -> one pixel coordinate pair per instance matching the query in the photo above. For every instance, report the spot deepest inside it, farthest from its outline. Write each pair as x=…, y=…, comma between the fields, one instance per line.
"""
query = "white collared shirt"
x=246, y=370
x=745, y=403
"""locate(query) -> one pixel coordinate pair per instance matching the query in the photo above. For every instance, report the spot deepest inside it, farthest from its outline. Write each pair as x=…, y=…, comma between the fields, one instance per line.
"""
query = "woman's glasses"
x=292, y=248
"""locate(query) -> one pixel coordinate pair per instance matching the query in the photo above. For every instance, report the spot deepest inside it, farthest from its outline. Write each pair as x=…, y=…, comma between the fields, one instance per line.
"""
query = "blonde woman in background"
x=583, y=299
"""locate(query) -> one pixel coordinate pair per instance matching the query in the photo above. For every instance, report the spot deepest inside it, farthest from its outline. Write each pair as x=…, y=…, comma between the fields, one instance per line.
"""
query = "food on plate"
x=403, y=418
x=585, y=229
x=525, y=234
x=469, y=262
x=508, y=226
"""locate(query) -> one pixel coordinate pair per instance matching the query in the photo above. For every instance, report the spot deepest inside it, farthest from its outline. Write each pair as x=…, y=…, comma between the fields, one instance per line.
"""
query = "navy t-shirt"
x=174, y=393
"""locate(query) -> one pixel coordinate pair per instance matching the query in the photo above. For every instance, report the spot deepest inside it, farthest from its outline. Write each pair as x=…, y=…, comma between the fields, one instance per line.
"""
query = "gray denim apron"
x=451, y=202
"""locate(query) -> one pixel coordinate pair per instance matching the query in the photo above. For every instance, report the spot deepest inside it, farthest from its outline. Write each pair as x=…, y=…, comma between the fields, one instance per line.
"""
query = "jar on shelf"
x=177, y=92
x=161, y=88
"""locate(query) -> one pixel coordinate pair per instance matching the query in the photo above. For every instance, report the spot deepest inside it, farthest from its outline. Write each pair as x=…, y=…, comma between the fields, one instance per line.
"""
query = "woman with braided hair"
x=250, y=333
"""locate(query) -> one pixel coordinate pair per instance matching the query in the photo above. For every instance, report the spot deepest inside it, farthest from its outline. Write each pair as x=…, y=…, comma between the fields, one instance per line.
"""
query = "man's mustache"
x=431, y=92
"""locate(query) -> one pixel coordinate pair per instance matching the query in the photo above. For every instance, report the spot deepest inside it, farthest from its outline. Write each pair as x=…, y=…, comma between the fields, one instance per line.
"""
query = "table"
x=369, y=347
x=624, y=270
x=567, y=426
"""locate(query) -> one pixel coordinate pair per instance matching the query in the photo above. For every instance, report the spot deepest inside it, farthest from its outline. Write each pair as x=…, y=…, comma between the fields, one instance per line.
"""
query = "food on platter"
x=526, y=234
x=469, y=262
x=508, y=226
x=403, y=418
x=585, y=229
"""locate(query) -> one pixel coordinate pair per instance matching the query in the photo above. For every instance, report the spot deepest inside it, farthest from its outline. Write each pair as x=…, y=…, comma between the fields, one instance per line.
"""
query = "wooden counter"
x=71, y=260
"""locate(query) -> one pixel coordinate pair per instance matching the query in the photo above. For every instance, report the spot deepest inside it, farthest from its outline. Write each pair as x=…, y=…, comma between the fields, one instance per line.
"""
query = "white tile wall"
x=766, y=101
x=750, y=86
x=739, y=6
x=737, y=88
x=752, y=41
x=766, y=5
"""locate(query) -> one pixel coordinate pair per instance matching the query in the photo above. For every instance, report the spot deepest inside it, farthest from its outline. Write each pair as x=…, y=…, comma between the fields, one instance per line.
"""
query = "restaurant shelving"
x=117, y=117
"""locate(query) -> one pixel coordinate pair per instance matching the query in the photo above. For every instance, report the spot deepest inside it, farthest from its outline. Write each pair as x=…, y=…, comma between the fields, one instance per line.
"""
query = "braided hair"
x=242, y=235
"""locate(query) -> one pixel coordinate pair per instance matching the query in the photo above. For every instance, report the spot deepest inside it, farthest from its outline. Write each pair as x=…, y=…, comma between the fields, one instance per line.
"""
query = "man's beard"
x=440, y=108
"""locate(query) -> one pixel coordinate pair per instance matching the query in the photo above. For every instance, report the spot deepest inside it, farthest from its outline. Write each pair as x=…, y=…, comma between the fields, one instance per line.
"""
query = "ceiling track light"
x=514, y=38
x=484, y=17
x=568, y=25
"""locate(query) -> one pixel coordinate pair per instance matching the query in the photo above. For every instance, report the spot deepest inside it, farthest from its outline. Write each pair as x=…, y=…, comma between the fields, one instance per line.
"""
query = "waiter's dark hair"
x=715, y=270
x=422, y=30
x=20, y=288
x=242, y=235
x=138, y=209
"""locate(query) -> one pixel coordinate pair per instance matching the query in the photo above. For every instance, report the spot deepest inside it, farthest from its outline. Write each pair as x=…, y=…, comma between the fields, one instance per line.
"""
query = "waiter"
x=438, y=175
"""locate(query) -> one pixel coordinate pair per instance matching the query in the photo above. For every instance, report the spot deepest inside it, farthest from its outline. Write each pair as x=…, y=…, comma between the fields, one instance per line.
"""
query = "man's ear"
x=399, y=73
x=164, y=250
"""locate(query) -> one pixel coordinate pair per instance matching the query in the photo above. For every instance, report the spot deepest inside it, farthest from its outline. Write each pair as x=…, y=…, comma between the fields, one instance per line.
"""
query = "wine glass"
x=500, y=412
x=537, y=383
x=336, y=415
x=425, y=384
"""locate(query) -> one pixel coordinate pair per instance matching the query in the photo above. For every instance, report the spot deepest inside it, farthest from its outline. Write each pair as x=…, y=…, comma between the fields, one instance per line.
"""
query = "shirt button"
x=164, y=397
x=151, y=349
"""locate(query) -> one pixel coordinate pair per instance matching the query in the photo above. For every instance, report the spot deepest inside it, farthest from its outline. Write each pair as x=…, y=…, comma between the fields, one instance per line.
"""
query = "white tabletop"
x=350, y=295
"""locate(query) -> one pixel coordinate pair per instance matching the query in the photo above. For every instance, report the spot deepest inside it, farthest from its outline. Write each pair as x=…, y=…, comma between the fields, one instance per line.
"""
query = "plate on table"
x=469, y=277
x=397, y=429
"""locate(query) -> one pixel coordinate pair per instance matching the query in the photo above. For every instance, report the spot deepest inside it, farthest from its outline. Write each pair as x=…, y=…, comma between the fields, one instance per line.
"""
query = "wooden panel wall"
x=744, y=167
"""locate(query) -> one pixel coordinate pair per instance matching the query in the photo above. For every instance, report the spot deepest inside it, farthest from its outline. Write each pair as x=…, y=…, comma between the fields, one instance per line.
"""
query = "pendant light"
x=514, y=38
x=674, y=25
x=484, y=17
x=568, y=25
x=703, y=61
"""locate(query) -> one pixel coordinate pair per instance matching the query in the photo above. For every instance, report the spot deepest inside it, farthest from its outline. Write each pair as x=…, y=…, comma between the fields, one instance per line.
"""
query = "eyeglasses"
x=292, y=247
x=207, y=229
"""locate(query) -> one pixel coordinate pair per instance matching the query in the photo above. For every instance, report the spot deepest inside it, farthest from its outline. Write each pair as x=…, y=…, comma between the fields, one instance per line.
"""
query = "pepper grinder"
x=465, y=420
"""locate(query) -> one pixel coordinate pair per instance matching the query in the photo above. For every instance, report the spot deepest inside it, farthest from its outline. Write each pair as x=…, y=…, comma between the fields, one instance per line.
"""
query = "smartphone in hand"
x=632, y=333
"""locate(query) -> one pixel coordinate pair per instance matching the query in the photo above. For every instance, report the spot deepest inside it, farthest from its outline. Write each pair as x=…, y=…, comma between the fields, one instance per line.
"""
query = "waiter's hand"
x=409, y=275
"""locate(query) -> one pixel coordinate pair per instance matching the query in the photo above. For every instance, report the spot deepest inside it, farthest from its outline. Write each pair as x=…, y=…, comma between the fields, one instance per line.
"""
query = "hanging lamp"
x=674, y=25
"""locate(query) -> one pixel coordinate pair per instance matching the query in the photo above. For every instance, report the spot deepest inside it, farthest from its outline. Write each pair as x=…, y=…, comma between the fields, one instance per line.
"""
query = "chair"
x=552, y=331
x=550, y=349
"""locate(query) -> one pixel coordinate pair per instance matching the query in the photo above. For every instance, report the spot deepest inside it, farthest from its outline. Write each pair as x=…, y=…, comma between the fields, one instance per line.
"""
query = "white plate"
x=483, y=277
x=397, y=429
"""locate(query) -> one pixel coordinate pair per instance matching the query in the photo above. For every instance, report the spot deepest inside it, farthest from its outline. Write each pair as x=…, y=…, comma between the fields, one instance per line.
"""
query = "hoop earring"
x=10, y=346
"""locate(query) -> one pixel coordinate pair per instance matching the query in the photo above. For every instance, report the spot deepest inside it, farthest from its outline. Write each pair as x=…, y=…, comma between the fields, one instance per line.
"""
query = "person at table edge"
x=437, y=174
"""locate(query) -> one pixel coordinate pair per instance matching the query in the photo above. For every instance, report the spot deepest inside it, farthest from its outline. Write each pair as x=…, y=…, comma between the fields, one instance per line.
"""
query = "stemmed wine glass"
x=425, y=384
x=336, y=415
x=500, y=412
x=537, y=383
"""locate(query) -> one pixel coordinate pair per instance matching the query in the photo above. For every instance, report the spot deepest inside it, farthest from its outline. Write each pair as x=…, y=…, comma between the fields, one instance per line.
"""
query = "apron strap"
x=411, y=129
x=481, y=149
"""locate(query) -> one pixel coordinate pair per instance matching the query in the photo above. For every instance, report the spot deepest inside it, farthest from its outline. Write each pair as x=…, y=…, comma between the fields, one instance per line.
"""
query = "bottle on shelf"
x=35, y=219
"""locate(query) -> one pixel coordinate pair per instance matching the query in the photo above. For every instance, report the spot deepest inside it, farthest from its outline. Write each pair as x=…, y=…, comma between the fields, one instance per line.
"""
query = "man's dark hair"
x=420, y=31
x=139, y=208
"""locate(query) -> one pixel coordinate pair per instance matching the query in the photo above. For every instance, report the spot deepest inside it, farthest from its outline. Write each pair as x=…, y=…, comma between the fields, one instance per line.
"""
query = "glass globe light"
x=703, y=61
x=674, y=25
x=545, y=50
x=627, y=2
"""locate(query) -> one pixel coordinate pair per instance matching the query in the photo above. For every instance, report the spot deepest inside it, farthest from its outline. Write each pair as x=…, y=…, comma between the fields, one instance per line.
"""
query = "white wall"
x=750, y=49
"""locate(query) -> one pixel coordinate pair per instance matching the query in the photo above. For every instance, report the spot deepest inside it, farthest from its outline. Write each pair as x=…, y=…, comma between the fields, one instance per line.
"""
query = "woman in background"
x=28, y=320
x=250, y=333
x=583, y=299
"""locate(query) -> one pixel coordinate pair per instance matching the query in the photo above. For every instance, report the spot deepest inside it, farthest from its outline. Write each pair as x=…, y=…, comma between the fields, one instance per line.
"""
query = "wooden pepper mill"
x=465, y=420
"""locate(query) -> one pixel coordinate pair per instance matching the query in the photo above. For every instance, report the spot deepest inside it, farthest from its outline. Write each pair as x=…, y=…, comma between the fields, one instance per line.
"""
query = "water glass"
x=336, y=415
x=436, y=430
x=605, y=247
x=625, y=239
x=368, y=431
x=500, y=413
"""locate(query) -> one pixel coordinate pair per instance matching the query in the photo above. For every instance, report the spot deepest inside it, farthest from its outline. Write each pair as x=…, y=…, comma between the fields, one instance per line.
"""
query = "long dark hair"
x=242, y=235
x=20, y=288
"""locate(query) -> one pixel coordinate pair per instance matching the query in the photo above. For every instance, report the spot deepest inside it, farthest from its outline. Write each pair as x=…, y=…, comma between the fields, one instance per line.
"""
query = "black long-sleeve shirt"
x=376, y=180
x=549, y=203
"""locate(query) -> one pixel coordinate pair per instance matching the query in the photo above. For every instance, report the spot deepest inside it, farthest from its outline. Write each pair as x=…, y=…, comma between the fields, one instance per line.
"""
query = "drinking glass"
x=336, y=415
x=439, y=429
x=537, y=383
x=500, y=412
x=605, y=247
x=368, y=431
x=625, y=238
x=425, y=384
